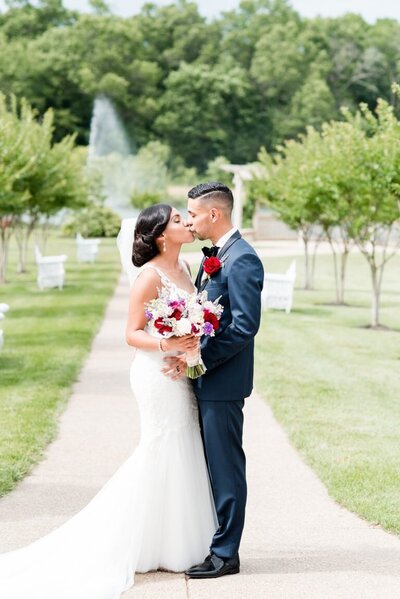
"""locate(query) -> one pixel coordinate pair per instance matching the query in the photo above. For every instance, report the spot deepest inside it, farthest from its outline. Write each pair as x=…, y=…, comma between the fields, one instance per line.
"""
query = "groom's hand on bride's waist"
x=174, y=367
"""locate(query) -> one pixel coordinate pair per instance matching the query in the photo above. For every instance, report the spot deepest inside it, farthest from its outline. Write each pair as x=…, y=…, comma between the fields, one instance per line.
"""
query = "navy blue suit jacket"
x=229, y=356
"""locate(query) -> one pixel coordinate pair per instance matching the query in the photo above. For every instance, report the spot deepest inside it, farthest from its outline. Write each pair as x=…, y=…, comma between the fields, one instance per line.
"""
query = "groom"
x=236, y=277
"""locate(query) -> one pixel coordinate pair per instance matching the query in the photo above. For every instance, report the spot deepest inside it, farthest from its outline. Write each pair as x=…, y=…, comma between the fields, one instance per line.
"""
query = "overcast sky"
x=369, y=9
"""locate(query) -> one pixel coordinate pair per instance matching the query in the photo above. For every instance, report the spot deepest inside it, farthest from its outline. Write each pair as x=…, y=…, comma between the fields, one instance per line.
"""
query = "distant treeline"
x=250, y=78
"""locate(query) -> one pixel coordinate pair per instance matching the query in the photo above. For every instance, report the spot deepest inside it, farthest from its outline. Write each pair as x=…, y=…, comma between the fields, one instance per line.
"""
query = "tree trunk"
x=23, y=244
x=335, y=268
x=376, y=271
x=314, y=256
x=19, y=237
x=376, y=292
x=307, y=277
x=343, y=266
x=5, y=237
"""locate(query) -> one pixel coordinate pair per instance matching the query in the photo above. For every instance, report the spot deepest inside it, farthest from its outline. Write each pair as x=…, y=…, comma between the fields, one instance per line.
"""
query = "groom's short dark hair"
x=213, y=191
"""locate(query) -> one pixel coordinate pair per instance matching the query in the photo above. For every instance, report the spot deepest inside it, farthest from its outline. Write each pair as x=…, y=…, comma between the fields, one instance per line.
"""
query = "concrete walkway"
x=297, y=542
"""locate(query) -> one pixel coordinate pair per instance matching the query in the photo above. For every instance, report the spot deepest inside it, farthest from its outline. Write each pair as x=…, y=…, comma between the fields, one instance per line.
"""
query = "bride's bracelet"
x=160, y=345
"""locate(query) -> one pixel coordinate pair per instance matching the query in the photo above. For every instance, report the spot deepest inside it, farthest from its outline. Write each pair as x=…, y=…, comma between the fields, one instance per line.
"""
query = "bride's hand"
x=175, y=367
x=184, y=344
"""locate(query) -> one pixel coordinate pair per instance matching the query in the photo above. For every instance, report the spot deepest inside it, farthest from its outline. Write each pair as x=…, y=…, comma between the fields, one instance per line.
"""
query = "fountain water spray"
x=110, y=154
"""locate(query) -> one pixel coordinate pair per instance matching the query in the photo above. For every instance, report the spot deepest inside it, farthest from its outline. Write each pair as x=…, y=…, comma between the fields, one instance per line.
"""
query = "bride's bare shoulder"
x=149, y=270
x=147, y=279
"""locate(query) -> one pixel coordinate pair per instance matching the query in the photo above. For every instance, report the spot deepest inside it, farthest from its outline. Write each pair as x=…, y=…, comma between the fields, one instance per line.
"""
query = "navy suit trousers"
x=222, y=430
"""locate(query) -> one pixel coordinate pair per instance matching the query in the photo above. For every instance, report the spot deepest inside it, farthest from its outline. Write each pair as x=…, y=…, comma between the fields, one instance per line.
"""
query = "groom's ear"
x=214, y=214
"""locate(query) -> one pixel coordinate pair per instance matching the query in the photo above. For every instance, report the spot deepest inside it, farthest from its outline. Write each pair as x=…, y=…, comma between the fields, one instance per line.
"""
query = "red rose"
x=212, y=265
x=211, y=318
x=177, y=314
x=161, y=327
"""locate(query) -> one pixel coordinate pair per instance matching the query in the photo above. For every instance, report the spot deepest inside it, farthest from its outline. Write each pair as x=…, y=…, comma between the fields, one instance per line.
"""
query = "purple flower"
x=148, y=314
x=208, y=328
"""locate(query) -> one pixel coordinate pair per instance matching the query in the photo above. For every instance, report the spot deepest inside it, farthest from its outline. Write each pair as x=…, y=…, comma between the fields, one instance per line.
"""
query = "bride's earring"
x=164, y=246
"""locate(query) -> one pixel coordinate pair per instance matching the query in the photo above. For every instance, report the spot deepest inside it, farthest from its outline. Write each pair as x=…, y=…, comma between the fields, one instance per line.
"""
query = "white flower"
x=196, y=314
x=183, y=327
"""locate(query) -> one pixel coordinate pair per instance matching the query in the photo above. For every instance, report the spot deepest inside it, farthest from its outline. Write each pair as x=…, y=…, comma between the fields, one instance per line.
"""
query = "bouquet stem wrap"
x=195, y=366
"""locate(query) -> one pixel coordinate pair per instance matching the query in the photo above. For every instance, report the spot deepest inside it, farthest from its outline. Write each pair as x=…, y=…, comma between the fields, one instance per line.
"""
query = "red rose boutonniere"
x=211, y=266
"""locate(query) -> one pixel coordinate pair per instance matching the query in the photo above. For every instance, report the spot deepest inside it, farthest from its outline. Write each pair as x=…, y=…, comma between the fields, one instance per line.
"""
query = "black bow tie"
x=210, y=252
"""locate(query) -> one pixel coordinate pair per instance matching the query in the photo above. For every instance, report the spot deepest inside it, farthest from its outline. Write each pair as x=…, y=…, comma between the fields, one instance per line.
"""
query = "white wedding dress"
x=156, y=512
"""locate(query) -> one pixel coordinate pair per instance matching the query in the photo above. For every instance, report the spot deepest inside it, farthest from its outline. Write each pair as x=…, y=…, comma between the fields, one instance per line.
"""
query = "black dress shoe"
x=199, y=567
x=214, y=567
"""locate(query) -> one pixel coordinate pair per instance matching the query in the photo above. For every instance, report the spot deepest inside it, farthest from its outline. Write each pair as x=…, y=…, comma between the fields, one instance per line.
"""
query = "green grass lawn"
x=335, y=385
x=47, y=335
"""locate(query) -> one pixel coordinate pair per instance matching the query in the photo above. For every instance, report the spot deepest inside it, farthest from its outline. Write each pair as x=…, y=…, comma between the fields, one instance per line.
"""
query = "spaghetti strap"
x=185, y=267
x=164, y=279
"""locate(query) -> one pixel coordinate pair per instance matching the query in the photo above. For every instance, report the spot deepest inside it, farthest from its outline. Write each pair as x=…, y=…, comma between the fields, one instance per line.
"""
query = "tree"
x=241, y=29
x=206, y=113
x=25, y=19
x=311, y=105
x=384, y=36
x=278, y=63
x=339, y=164
x=175, y=33
x=15, y=163
x=55, y=181
x=100, y=7
x=270, y=73
x=285, y=183
x=40, y=178
x=345, y=179
x=357, y=183
x=374, y=209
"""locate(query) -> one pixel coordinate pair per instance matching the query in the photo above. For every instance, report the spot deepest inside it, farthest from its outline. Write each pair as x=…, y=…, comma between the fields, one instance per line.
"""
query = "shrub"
x=146, y=199
x=95, y=221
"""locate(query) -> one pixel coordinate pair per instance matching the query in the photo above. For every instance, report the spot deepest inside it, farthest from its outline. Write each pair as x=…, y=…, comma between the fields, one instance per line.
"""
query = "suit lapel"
x=199, y=275
x=235, y=237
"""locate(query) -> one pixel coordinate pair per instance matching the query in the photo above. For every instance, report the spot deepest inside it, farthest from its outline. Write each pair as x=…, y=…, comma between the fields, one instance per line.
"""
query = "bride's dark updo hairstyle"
x=151, y=223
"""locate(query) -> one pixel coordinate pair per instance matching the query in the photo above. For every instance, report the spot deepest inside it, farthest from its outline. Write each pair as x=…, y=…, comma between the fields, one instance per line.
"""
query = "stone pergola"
x=241, y=173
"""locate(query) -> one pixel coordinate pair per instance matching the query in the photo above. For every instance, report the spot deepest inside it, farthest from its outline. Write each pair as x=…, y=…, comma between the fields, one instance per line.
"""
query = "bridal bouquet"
x=175, y=313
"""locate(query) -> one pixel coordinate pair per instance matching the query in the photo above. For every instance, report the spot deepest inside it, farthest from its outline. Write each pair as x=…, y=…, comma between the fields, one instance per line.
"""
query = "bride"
x=156, y=511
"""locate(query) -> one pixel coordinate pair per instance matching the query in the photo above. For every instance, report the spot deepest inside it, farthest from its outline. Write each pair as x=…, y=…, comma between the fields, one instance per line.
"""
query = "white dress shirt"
x=222, y=241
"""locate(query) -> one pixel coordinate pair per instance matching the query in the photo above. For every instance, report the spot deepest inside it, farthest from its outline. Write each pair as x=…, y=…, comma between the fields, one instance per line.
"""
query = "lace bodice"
x=166, y=281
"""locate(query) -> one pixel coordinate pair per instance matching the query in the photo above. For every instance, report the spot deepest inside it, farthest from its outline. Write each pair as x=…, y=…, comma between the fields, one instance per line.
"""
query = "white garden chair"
x=278, y=289
x=86, y=249
x=51, y=271
x=3, y=309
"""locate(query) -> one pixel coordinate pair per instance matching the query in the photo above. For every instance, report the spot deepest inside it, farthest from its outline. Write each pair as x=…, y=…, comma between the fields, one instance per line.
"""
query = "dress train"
x=155, y=512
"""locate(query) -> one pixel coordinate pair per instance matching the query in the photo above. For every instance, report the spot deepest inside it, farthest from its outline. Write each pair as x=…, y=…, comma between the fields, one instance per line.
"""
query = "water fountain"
x=110, y=153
